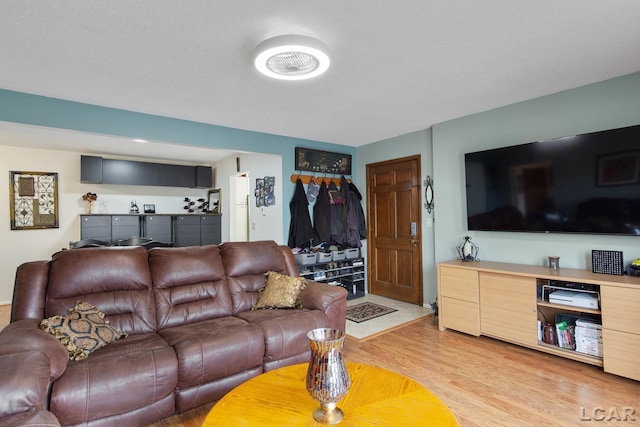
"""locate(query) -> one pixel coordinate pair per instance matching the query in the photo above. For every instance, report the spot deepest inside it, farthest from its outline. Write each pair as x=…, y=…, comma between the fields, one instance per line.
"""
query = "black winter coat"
x=300, y=230
x=322, y=215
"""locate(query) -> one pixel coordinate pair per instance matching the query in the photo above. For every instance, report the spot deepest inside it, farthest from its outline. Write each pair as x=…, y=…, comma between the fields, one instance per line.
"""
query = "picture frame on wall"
x=264, y=191
x=310, y=160
x=33, y=200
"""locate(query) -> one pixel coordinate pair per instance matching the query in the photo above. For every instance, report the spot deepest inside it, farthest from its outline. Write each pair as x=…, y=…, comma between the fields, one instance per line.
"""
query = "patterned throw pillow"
x=280, y=291
x=82, y=331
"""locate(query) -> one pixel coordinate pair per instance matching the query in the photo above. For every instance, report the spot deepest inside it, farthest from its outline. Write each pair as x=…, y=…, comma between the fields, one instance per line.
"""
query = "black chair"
x=88, y=243
x=135, y=241
x=145, y=242
x=156, y=244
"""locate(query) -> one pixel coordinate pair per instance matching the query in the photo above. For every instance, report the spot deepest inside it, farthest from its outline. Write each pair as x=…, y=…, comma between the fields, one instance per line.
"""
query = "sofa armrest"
x=328, y=298
x=24, y=387
x=30, y=290
x=30, y=419
x=26, y=336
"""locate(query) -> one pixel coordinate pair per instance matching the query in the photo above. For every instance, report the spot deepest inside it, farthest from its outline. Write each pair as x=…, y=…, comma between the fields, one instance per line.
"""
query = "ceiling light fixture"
x=292, y=57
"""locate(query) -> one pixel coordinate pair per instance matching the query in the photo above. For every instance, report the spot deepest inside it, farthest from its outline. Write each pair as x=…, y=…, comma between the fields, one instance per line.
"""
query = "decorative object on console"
x=607, y=262
x=634, y=268
x=33, y=200
x=214, y=201
x=149, y=208
x=554, y=262
x=467, y=251
x=90, y=198
x=134, y=208
x=327, y=376
x=428, y=194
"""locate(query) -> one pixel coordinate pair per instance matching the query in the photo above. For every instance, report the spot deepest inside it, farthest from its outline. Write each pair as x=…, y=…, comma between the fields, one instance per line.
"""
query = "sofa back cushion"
x=246, y=263
x=189, y=285
x=114, y=279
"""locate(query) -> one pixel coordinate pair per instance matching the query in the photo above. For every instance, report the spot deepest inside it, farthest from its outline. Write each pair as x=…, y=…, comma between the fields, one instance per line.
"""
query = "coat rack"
x=318, y=179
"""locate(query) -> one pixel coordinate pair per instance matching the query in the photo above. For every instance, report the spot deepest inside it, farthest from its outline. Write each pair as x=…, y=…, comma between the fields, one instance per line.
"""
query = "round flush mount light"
x=292, y=57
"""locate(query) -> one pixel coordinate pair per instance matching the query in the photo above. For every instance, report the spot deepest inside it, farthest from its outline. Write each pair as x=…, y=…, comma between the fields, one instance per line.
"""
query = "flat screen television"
x=587, y=183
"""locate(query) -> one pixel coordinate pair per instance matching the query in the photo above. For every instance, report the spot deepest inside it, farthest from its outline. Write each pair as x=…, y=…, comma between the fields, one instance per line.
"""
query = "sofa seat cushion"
x=214, y=349
x=285, y=333
x=129, y=374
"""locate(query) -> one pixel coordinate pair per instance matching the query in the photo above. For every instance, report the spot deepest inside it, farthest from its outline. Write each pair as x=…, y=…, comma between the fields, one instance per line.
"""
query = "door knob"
x=413, y=241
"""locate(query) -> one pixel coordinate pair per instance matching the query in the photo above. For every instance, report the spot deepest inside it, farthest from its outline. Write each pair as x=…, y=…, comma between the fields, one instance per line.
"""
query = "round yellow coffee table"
x=377, y=397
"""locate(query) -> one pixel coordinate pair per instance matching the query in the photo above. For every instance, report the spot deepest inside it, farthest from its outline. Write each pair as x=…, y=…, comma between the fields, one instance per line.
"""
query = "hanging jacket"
x=300, y=229
x=362, y=219
x=351, y=232
x=322, y=216
x=338, y=218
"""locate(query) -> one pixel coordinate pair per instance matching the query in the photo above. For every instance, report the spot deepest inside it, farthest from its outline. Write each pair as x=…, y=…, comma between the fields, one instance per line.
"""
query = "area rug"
x=366, y=311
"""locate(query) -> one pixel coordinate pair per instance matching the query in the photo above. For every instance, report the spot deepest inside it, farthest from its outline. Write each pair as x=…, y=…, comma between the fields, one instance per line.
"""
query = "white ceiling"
x=397, y=66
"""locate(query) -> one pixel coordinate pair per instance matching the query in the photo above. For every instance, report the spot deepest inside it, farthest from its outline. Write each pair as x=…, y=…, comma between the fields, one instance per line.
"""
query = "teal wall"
x=604, y=105
x=57, y=113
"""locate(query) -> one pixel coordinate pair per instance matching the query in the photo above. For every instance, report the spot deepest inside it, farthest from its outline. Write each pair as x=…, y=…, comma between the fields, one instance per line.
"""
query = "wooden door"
x=394, y=248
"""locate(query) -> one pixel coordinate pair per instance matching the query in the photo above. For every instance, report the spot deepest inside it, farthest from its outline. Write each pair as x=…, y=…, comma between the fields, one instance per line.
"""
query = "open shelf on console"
x=572, y=354
x=568, y=307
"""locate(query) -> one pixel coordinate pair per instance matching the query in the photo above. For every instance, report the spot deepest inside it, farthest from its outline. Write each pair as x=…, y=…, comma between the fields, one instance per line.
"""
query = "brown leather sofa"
x=192, y=335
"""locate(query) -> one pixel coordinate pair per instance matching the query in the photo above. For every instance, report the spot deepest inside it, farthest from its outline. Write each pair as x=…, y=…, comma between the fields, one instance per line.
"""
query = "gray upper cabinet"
x=97, y=170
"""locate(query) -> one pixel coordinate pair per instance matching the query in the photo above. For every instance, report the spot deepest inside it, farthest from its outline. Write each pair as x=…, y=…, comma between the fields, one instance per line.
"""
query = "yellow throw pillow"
x=82, y=331
x=280, y=291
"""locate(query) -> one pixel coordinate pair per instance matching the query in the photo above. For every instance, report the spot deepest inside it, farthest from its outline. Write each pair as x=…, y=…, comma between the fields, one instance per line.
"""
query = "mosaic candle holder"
x=327, y=376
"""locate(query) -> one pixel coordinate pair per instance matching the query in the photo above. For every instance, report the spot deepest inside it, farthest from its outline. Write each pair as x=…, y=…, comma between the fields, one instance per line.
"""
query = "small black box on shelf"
x=607, y=262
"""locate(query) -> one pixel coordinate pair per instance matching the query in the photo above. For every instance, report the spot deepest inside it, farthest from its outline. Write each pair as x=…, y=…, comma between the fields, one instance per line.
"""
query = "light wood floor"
x=5, y=315
x=486, y=382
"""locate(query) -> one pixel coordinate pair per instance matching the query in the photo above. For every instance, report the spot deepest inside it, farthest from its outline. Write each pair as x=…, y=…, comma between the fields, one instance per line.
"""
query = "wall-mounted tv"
x=587, y=183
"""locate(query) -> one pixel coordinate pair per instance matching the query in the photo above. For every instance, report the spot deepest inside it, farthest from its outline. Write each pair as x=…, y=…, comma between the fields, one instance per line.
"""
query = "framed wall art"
x=322, y=161
x=264, y=192
x=33, y=200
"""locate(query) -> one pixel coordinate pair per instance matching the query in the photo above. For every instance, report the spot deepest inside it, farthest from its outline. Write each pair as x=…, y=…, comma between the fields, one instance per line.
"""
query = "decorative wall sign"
x=322, y=161
x=33, y=200
x=264, y=191
x=428, y=194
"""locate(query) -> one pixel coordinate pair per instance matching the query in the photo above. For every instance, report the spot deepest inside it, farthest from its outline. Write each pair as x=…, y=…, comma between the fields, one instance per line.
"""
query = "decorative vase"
x=90, y=207
x=327, y=377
